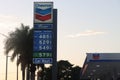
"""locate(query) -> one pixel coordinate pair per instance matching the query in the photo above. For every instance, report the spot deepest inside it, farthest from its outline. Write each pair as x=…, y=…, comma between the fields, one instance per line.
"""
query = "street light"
x=6, y=66
x=7, y=60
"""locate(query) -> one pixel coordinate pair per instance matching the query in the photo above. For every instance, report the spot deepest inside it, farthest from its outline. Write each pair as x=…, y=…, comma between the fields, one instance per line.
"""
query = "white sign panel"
x=43, y=12
x=103, y=56
x=42, y=60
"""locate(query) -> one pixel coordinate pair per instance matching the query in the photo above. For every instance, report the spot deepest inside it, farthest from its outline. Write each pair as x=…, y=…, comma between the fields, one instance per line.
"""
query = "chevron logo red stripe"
x=43, y=18
x=96, y=56
x=43, y=12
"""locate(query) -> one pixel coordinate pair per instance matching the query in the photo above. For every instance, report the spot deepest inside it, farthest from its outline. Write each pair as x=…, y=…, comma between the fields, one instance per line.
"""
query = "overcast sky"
x=83, y=26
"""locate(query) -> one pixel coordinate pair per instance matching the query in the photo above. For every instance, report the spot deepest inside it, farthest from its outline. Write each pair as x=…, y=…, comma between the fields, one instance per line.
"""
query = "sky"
x=84, y=26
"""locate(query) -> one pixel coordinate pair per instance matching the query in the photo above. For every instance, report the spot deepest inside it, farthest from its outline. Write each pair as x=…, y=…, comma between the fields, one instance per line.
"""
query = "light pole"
x=7, y=61
x=17, y=67
x=6, y=66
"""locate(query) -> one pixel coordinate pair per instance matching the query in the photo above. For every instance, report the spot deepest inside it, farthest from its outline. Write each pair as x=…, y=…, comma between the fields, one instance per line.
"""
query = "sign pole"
x=54, y=66
x=45, y=35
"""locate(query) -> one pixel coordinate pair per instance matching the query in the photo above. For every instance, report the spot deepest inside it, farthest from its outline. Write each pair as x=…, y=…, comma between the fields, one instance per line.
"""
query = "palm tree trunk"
x=33, y=72
x=23, y=74
x=42, y=66
x=33, y=76
x=27, y=73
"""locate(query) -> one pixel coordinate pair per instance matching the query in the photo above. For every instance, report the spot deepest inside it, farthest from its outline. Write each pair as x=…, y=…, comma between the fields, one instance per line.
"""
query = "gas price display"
x=42, y=41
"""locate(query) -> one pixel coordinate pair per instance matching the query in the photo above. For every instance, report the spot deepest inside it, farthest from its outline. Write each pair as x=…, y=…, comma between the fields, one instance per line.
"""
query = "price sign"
x=42, y=55
x=43, y=12
x=43, y=26
x=42, y=41
x=42, y=60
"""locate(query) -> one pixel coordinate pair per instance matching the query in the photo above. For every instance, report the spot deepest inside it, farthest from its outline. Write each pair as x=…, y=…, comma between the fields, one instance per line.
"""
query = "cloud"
x=14, y=20
x=86, y=33
x=8, y=19
x=8, y=23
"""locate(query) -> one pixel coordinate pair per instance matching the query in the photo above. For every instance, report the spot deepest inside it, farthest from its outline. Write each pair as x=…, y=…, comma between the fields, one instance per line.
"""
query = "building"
x=101, y=66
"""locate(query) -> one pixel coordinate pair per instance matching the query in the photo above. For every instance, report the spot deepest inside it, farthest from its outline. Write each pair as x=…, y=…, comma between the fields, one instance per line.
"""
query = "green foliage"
x=19, y=43
x=66, y=71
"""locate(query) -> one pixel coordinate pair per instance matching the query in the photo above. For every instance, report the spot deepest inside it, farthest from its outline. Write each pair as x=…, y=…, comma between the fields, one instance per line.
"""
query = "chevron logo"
x=96, y=56
x=43, y=15
x=43, y=12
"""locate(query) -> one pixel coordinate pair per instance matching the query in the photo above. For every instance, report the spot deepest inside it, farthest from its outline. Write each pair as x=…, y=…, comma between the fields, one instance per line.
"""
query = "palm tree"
x=76, y=73
x=64, y=69
x=20, y=44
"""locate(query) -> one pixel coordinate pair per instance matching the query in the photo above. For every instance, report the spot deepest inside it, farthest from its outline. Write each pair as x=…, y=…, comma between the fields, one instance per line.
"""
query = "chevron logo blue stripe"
x=43, y=12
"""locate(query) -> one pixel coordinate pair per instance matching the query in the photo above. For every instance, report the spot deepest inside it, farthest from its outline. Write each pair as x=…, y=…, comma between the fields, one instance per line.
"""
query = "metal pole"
x=17, y=67
x=54, y=66
x=6, y=58
x=6, y=66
